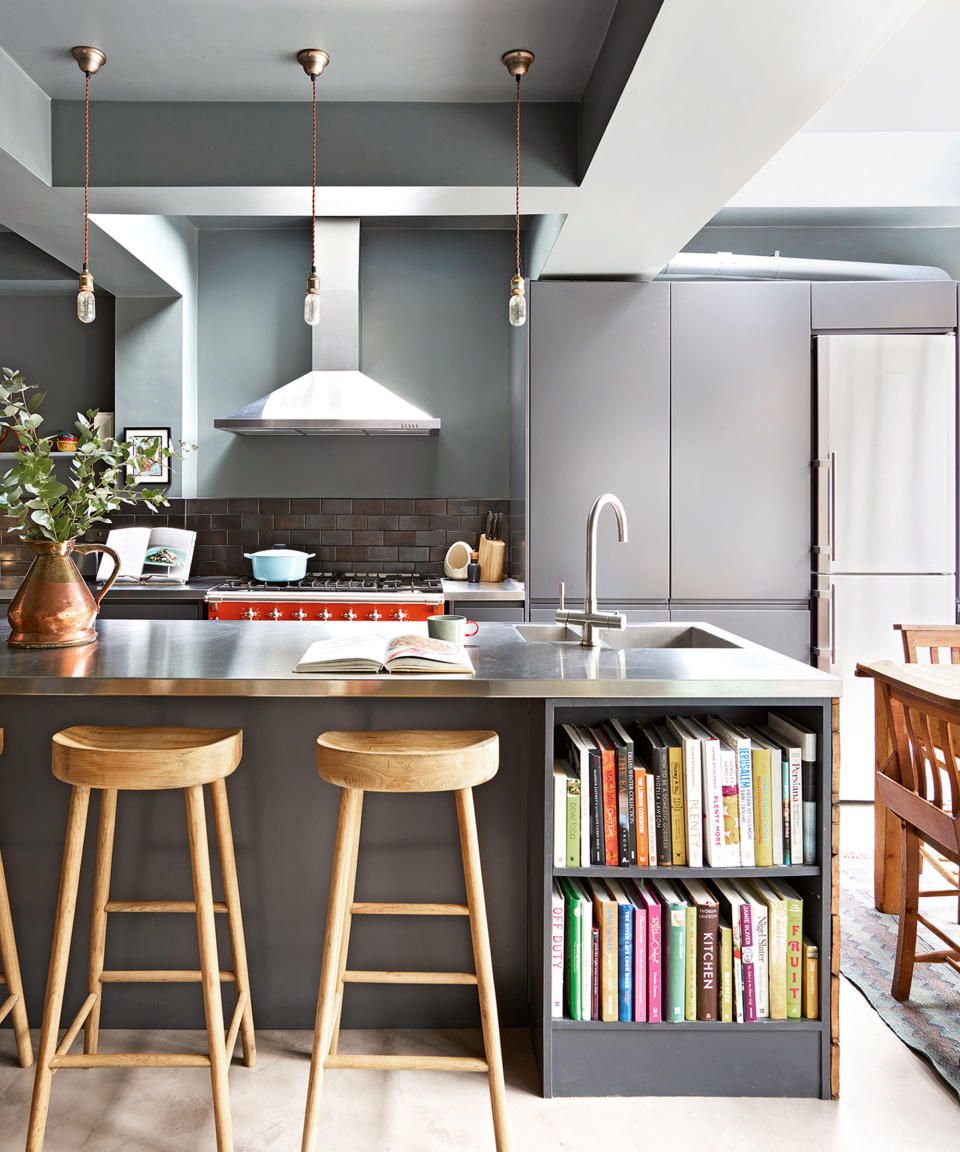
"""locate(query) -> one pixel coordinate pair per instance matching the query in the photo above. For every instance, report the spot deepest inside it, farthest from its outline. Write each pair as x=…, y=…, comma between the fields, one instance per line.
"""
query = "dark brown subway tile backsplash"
x=370, y=535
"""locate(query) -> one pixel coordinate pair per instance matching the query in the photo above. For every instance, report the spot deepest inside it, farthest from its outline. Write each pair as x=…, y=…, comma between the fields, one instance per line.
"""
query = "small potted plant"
x=53, y=608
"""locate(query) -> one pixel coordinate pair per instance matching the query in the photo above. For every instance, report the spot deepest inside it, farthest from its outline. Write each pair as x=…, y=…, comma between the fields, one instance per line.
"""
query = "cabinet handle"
x=833, y=625
x=833, y=506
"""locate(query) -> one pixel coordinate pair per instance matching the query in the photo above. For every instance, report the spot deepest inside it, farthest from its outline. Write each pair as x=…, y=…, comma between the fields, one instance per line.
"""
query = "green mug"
x=452, y=628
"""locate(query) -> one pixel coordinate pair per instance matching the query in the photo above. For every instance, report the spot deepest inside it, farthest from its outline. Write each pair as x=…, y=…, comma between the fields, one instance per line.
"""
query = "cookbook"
x=158, y=554
x=372, y=653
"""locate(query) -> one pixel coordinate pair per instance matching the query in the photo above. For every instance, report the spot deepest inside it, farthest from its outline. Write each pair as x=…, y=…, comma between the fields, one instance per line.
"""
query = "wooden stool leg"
x=231, y=893
x=10, y=966
x=470, y=848
x=57, y=973
x=909, y=906
x=347, y=922
x=209, y=965
x=348, y=830
x=98, y=917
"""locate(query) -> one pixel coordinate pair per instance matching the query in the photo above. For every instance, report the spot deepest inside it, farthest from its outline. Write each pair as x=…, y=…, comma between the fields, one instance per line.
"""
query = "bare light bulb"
x=86, y=301
x=311, y=302
x=517, y=310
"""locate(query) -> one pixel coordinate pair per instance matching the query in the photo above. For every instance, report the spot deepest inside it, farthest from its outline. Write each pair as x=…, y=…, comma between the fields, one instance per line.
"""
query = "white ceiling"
x=912, y=84
x=430, y=50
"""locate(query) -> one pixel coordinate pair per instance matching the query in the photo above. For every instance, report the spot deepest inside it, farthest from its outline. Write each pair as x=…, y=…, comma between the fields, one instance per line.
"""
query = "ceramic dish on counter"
x=456, y=560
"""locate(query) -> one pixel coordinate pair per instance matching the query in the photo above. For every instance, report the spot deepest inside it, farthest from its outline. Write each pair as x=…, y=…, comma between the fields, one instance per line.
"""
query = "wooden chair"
x=922, y=705
x=137, y=759
x=13, y=1005
x=405, y=761
x=930, y=639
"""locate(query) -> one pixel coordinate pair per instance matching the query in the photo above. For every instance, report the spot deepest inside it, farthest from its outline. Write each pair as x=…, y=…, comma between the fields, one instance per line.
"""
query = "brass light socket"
x=517, y=61
x=313, y=283
x=313, y=60
x=86, y=281
x=516, y=286
x=90, y=60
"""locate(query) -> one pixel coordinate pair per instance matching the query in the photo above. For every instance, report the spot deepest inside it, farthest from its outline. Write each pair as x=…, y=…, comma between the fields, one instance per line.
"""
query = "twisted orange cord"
x=86, y=166
x=518, y=175
x=313, y=189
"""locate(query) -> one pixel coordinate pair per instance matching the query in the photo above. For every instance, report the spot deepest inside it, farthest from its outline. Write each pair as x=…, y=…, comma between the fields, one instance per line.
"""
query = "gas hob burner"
x=389, y=583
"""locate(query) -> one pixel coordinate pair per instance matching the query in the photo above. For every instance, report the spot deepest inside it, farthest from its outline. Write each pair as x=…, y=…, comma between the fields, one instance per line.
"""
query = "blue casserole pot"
x=277, y=565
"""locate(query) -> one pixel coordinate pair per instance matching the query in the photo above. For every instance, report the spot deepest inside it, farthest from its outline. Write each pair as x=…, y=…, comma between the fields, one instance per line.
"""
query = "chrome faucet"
x=590, y=618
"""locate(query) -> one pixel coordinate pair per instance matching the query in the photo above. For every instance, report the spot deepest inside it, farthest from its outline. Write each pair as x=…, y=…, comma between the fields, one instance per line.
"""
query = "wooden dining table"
x=944, y=680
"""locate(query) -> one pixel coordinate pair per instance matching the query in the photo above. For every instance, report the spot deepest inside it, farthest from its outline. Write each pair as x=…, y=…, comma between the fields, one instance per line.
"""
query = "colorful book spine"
x=587, y=915
x=556, y=951
x=776, y=946
x=658, y=756
x=624, y=746
x=725, y=934
x=652, y=852
x=762, y=812
x=595, y=984
x=731, y=804
x=776, y=805
x=745, y=804
x=785, y=792
x=640, y=791
x=608, y=772
x=678, y=816
x=572, y=950
x=806, y=741
x=625, y=961
x=655, y=929
x=748, y=962
x=794, y=949
x=811, y=980
x=595, y=784
x=690, y=964
x=708, y=973
x=711, y=796
x=674, y=956
x=605, y=913
x=796, y=805
x=573, y=823
x=640, y=942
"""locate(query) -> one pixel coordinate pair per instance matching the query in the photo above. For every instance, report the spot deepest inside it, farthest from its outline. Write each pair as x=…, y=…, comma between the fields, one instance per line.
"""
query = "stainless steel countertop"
x=463, y=590
x=236, y=658
x=195, y=589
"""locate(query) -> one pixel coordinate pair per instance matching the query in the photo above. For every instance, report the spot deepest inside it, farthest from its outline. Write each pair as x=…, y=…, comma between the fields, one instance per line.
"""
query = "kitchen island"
x=241, y=675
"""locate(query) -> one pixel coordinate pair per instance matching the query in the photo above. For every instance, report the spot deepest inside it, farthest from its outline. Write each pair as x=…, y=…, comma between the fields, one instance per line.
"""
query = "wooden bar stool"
x=361, y=762
x=152, y=759
x=12, y=1005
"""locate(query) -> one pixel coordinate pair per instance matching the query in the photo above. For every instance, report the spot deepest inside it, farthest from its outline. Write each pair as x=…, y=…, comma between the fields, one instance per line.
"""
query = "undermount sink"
x=633, y=636
x=548, y=633
x=663, y=636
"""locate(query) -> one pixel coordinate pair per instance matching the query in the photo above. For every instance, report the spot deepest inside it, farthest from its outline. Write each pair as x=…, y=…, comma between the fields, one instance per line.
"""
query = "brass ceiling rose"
x=313, y=60
x=91, y=60
x=517, y=61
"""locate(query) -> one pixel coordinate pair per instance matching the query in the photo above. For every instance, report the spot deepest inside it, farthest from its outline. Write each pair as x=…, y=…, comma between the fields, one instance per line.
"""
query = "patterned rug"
x=929, y=1022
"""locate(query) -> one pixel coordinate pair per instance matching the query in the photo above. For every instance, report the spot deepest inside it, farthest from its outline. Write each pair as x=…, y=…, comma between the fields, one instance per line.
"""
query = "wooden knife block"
x=490, y=557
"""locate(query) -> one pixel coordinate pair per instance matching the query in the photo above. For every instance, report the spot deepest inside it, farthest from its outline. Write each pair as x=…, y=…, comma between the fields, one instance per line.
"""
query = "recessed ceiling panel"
x=431, y=50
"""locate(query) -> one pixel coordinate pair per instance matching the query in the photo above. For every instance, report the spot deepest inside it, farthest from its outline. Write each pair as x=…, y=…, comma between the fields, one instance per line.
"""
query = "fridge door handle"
x=833, y=626
x=821, y=544
x=825, y=628
x=832, y=520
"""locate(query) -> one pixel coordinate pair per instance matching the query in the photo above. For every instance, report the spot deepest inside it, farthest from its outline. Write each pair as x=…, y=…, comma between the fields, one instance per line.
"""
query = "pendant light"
x=313, y=61
x=90, y=61
x=517, y=62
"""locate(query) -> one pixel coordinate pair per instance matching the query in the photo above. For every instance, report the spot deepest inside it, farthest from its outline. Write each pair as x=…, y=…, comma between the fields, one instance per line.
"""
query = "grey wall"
x=72, y=362
x=433, y=328
x=939, y=247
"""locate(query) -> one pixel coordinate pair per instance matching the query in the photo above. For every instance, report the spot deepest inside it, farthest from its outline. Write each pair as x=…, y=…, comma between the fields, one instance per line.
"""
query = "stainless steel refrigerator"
x=885, y=548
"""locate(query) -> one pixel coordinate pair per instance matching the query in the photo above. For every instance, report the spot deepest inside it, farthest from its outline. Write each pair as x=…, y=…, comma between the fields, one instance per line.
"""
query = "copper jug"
x=53, y=607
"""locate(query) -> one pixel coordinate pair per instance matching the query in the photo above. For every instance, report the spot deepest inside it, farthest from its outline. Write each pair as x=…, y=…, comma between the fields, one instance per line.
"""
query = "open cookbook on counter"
x=162, y=555
x=375, y=654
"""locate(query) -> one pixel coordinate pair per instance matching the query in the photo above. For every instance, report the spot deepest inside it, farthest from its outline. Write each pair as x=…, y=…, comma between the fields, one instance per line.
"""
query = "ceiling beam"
x=718, y=88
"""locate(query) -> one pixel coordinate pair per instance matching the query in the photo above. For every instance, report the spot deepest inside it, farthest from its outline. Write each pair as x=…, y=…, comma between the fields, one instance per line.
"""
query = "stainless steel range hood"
x=335, y=398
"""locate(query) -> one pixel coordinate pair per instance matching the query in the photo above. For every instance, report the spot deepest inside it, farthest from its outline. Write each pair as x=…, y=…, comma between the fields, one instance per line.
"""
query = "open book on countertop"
x=372, y=653
x=161, y=554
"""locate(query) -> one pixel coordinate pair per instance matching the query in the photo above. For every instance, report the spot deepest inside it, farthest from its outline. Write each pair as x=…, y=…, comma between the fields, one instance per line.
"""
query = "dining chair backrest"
x=930, y=639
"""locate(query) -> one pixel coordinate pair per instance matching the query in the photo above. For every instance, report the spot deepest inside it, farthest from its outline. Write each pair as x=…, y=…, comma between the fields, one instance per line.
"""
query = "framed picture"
x=151, y=467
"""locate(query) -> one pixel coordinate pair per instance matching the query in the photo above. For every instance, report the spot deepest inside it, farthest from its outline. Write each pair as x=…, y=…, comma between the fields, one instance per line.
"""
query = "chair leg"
x=231, y=892
x=348, y=830
x=209, y=965
x=57, y=973
x=479, y=931
x=909, y=906
x=98, y=917
x=10, y=967
x=347, y=922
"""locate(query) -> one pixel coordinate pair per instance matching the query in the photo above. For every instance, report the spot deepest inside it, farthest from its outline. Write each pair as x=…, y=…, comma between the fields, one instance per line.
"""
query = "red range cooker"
x=325, y=596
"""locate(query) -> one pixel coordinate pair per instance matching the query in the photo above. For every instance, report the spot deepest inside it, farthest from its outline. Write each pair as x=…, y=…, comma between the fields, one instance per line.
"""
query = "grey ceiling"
x=431, y=50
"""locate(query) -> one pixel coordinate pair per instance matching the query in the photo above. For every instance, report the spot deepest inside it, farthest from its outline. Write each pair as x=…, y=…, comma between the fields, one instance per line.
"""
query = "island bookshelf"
x=766, y=1058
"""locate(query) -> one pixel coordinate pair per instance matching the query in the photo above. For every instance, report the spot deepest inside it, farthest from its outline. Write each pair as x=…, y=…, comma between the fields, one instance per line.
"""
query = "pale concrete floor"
x=890, y=1099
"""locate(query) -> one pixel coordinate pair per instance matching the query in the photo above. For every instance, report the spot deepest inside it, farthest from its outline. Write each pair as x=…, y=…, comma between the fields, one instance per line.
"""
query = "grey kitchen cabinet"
x=599, y=422
x=785, y=630
x=874, y=306
x=144, y=609
x=479, y=611
x=740, y=441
